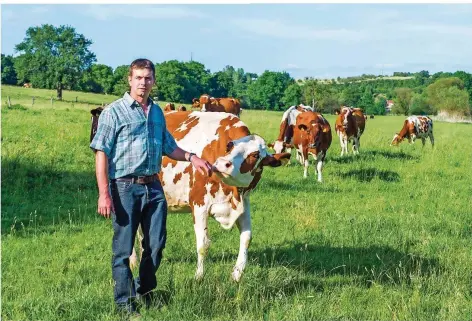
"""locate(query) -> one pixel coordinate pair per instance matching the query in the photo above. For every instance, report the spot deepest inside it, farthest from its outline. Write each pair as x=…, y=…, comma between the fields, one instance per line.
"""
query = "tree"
x=448, y=94
x=292, y=95
x=419, y=105
x=267, y=91
x=379, y=106
x=97, y=79
x=367, y=101
x=120, y=80
x=402, y=101
x=8, y=70
x=53, y=57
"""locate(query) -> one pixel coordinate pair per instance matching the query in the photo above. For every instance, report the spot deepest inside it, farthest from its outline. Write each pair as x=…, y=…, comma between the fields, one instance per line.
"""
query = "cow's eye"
x=229, y=147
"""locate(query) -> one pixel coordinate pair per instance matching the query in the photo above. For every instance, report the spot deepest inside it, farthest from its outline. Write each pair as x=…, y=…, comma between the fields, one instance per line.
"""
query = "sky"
x=306, y=40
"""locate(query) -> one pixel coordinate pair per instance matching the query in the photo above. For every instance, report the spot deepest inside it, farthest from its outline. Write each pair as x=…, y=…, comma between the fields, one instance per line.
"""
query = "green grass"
x=386, y=236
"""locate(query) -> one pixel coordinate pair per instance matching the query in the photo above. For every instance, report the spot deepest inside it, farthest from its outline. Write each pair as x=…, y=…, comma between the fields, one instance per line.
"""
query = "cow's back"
x=231, y=105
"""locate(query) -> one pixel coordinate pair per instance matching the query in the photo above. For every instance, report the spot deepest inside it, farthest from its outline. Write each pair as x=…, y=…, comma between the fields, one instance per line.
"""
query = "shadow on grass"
x=372, y=155
x=380, y=264
x=297, y=184
x=37, y=196
x=368, y=174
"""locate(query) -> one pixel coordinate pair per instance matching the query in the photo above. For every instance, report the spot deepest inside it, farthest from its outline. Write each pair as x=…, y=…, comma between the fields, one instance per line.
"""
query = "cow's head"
x=245, y=159
x=397, y=139
x=310, y=128
x=280, y=146
x=169, y=107
x=195, y=103
x=182, y=108
x=205, y=102
x=95, y=114
x=345, y=115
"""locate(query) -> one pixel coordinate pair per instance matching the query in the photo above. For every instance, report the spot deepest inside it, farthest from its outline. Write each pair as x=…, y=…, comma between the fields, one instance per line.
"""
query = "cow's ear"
x=276, y=160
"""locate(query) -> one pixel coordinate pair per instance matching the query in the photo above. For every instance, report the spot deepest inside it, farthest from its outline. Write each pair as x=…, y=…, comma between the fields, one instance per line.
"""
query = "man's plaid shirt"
x=133, y=143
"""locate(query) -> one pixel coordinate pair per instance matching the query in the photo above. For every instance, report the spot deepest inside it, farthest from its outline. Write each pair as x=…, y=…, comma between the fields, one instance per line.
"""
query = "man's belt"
x=139, y=179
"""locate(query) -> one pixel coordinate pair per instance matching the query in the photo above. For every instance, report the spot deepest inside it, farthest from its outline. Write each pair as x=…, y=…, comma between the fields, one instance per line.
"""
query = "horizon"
x=321, y=41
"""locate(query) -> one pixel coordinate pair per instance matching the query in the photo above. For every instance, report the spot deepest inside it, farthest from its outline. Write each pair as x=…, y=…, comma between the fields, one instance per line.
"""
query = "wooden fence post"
x=32, y=104
x=75, y=98
x=9, y=101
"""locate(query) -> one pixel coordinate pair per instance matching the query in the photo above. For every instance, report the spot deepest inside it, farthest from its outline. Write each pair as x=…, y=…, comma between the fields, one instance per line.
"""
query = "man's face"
x=141, y=82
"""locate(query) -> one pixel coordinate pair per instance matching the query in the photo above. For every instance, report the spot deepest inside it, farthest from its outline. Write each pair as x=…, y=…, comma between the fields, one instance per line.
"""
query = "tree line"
x=60, y=58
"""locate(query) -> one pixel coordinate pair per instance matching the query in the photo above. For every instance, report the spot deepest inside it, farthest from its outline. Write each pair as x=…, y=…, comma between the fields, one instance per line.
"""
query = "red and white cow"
x=238, y=160
x=206, y=103
x=169, y=107
x=289, y=118
x=415, y=127
x=312, y=136
x=350, y=125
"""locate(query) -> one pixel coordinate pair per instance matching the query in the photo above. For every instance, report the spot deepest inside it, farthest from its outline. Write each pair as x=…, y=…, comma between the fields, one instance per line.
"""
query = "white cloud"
x=278, y=29
x=107, y=12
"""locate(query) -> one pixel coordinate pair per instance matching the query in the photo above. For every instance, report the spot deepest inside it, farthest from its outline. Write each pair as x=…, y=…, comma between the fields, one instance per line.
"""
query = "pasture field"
x=386, y=236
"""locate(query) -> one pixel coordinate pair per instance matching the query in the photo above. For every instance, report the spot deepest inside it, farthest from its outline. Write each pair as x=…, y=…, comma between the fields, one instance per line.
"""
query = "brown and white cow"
x=350, y=125
x=27, y=85
x=169, y=107
x=289, y=118
x=312, y=136
x=94, y=119
x=238, y=159
x=206, y=103
x=415, y=127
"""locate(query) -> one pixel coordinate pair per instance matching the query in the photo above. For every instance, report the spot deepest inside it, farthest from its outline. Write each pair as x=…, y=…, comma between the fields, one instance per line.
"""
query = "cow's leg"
x=319, y=166
x=431, y=138
x=245, y=234
x=306, y=163
x=413, y=138
x=355, y=142
x=423, y=140
x=201, y=235
x=343, y=142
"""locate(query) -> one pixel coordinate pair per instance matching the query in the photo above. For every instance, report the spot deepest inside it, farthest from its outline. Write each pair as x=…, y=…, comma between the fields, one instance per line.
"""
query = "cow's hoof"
x=236, y=275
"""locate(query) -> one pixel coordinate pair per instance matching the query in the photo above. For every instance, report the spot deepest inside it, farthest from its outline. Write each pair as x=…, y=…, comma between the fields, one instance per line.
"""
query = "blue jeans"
x=137, y=204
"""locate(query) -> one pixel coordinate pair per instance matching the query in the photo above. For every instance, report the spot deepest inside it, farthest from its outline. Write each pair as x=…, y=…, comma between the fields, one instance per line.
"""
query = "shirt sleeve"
x=105, y=136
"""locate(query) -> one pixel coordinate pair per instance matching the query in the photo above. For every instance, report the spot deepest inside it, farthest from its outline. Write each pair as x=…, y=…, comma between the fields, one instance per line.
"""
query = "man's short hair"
x=142, y=63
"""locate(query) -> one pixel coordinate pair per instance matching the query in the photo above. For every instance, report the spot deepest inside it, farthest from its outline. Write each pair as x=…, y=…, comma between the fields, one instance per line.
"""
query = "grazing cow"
x=238, y=160
x=212, y=104
x=27, y=85
x=182, y=108
x=95, y=114
x=169, y=107
x=415, y=127
x=371, y=116
x=312, y=136
x=350, y=125
x=289, y=118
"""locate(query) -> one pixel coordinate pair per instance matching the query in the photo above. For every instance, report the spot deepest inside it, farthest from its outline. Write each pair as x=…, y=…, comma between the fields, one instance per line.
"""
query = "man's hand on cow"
x=201, y=165
x=105, y=205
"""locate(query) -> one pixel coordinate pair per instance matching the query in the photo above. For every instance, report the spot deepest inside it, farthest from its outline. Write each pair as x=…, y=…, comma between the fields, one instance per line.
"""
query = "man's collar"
x=131, y=102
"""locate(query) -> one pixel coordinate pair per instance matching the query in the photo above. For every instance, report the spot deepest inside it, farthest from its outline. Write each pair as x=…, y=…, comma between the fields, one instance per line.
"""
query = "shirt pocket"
x=131, y=131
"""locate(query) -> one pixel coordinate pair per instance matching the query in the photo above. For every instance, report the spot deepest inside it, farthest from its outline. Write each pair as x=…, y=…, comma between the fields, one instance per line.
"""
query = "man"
x=130, y=141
